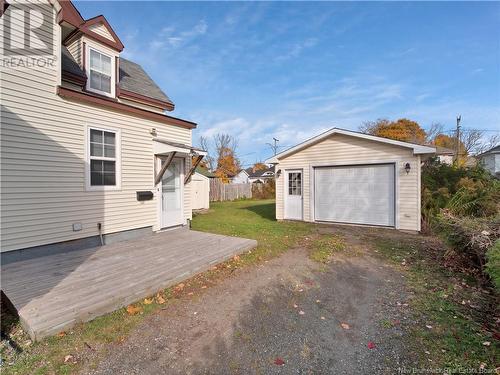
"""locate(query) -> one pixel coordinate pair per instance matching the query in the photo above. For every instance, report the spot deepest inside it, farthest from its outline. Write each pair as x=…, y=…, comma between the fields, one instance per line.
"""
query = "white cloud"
x=296, y=49
x=168, y=37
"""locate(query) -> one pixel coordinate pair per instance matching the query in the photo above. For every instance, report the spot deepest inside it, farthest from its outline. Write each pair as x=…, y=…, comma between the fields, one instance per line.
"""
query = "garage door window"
x=295, y=183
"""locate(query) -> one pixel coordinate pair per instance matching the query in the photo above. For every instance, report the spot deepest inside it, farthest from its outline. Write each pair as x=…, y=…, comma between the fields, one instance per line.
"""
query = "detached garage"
x=342, y=176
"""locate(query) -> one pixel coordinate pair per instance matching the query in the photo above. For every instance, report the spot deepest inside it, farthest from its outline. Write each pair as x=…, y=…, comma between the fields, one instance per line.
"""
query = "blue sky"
x=291, y=70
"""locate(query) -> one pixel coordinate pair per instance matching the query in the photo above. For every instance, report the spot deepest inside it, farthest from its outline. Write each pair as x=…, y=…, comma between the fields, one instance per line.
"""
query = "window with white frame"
x=103, y=158
x=100, y=71
x=294, y=183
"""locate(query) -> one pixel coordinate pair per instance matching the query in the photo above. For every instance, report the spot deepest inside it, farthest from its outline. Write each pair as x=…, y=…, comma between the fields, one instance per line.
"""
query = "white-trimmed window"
x=103, y=159
x=100, y=71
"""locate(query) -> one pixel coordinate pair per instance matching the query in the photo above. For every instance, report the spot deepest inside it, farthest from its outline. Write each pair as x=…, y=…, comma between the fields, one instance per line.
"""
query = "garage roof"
x=417, y=149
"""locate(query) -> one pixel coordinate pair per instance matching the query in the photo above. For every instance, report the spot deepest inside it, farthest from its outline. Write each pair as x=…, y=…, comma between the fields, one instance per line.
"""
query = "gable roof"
x=69, y=14
x=259, y=173
x=87, y=30
x=494, y=150
x=443, y=150
x=417, y=149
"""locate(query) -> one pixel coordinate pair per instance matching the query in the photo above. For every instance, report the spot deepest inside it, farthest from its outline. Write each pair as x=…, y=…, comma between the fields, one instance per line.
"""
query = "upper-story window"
x=100, y=71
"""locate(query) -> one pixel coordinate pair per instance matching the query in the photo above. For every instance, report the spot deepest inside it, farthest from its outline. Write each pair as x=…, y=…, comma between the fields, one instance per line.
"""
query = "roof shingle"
x=132, y=78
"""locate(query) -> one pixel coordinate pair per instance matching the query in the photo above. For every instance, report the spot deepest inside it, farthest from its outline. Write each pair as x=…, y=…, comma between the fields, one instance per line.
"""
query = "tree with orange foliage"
x=259, y=166
x=443, y=140
x=401, y=130
x=228, y=163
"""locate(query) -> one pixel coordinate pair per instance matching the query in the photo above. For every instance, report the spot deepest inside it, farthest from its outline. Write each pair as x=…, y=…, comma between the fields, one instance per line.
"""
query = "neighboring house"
x=87, y=149
x=490, y=160
x=444, y=155
x=342, y=176
x=261, y=175
x=200, y=191
x=240, y=178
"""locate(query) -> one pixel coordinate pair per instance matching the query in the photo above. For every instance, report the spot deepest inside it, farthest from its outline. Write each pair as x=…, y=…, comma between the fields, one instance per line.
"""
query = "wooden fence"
x=220, y=191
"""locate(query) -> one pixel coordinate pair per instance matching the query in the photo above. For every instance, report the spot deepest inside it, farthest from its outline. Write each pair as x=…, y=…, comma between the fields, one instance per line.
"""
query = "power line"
x=274, y=146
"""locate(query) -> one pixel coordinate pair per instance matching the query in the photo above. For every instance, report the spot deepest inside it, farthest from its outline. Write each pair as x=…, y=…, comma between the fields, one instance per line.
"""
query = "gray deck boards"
x=52, y=293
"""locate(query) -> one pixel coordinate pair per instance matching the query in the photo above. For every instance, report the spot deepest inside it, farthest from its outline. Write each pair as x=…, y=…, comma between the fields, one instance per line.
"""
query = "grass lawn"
x=254, y=219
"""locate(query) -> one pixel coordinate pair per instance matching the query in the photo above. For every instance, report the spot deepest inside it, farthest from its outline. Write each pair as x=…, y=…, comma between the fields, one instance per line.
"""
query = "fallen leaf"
x=301, y=312
x=345, y=325
x=279, y=361
x=204, y=287
x=132, y=310
x=68, y=358
x=486, y=343
x=295, y=305
x=148, y=301
x=318, y=301
x=323, y=318
x=159, y=299
x=179, y=287
x=429, y=327
x=371, y=345
x=236, y=258
x=190, y=293
x=61, y=334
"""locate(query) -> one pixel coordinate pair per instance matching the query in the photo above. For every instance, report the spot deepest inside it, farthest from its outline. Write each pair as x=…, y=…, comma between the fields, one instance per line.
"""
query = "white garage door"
x=361, y=194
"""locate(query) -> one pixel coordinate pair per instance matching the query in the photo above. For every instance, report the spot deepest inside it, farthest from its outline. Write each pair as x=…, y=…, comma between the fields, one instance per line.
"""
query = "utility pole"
x=274, y=146
x=457, y=146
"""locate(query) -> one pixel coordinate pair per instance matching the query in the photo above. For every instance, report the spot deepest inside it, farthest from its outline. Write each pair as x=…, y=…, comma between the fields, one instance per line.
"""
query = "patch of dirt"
x=287, y=315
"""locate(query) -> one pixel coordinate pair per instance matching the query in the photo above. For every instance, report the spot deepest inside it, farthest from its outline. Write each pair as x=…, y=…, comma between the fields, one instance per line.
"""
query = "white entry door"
x=171, y=195
x=359, y=194
x=293, y=194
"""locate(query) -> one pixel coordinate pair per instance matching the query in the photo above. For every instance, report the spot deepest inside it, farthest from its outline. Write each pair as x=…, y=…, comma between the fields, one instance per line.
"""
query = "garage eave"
x=417, y=149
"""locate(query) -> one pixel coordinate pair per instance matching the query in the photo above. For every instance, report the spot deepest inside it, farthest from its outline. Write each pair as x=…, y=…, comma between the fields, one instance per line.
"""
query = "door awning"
x=164, y=147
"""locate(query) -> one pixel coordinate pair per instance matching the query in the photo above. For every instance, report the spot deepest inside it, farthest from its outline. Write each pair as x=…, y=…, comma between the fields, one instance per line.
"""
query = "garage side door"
x=361, y=194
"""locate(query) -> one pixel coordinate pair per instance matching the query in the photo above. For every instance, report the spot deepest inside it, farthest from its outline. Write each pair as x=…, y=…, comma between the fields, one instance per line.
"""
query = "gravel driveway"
x=284, y=316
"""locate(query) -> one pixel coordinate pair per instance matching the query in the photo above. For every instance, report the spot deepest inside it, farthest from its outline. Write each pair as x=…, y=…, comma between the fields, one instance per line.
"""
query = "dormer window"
x=100, y=72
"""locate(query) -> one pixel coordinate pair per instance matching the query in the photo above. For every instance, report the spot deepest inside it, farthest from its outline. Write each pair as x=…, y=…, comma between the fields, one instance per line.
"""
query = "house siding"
x=101, y=30
x=339, y=149
x=76, y=48
x=43, y=162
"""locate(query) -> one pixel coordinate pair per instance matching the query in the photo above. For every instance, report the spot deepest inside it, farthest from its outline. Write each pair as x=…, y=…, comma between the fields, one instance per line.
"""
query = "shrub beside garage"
x=462, y=205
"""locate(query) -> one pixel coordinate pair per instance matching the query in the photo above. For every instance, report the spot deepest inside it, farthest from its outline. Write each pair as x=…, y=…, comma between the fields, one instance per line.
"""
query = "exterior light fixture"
x=278, y=173
x=407, y=168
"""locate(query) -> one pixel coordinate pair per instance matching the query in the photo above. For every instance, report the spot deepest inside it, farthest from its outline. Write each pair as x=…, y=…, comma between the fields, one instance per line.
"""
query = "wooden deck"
x=52, y=293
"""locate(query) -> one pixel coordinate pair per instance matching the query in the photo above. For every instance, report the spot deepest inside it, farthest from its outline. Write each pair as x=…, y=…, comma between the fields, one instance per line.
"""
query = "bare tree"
x=486, y=144
x=472, y=140
x=225, y=141
x=431, y=133
x=227, y=163
x=204, y=144
x=369, y=127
